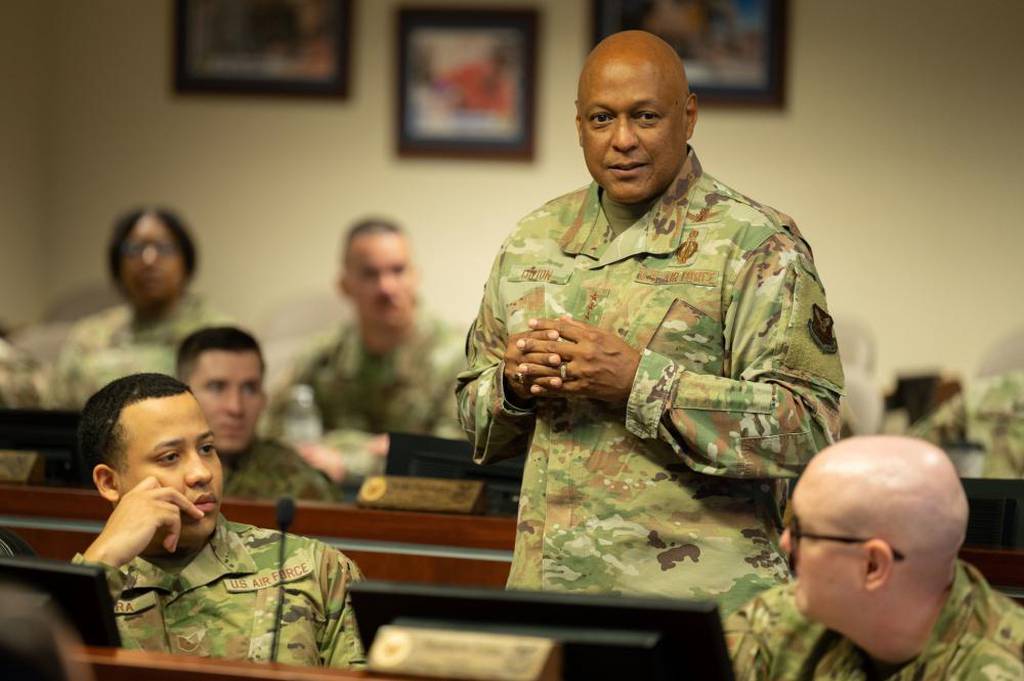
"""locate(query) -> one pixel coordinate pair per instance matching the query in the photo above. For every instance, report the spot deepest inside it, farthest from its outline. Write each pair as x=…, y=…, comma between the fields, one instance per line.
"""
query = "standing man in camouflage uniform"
x=393, y=369
x=223, y=366
x=990, y=413
x=658, y=345
x=879, y=592
x=151, y=259
x=184, y=579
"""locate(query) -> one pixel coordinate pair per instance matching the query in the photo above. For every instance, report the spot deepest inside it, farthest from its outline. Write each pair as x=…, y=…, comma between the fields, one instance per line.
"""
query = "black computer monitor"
x=603, y=637
x=52, y=433
x=996, y=515
x=79, y=592
x=423, y=456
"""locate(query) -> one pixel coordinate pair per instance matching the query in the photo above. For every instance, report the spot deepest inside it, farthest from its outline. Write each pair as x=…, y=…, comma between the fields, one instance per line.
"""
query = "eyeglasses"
x=135, y=249
x=796, y=534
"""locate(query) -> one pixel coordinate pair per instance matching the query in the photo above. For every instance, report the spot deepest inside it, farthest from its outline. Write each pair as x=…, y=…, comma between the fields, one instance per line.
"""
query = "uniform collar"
x=224, y=554
x=659, y=231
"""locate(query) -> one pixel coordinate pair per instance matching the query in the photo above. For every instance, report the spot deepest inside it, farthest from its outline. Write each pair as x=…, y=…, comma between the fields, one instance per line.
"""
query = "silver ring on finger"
x=561, y=370
x=519, y=377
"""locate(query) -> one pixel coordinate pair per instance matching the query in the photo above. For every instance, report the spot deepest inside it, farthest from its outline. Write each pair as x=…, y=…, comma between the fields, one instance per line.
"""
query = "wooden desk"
x=115, y=664
x=412, y=547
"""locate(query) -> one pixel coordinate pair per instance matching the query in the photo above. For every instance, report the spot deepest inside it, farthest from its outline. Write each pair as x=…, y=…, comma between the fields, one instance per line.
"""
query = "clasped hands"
x=567, y=358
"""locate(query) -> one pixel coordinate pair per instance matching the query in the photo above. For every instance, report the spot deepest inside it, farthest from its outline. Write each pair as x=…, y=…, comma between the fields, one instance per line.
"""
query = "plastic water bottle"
x=302, y=422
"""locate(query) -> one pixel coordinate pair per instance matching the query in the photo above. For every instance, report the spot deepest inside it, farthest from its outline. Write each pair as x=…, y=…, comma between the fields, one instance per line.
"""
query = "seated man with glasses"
x=879, y=593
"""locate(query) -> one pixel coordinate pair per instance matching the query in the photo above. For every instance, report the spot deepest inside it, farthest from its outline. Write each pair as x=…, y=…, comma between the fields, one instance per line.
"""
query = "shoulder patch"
x=820, y=326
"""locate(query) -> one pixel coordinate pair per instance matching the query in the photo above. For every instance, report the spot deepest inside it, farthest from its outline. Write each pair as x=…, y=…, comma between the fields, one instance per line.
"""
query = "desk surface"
x=115, y=664
x=430, y=548
x=311, y=518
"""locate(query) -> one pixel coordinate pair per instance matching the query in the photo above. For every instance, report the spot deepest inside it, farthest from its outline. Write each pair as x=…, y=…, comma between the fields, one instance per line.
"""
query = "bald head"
x=900, y=489
x=634, y=115
x=639, y=49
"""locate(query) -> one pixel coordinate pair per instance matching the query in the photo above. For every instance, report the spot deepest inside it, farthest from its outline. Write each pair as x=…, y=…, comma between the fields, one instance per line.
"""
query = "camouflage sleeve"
x=946, y=424
x=115, y=578
x=750, y=657
x=778, y=402
x=451, y=361
x=496, y=428
x=338, y=641
x=69, y=387
x=21, y=378
x=768, y=638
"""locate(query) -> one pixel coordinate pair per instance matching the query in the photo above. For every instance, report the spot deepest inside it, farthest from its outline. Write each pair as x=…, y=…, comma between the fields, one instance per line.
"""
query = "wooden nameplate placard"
x=439, y=653
x=27, y=467
x=422, y=494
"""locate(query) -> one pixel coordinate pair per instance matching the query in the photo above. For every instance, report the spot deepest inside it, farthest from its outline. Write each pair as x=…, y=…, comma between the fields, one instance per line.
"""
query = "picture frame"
x=269, y=47
x=466, y=83
x=734, y=51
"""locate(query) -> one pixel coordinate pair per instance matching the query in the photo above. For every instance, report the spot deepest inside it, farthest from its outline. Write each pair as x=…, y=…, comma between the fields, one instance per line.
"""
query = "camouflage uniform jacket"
x=113, y=343
x=20, y=378
x=269, y=469
x=359, y=395
x=991, y=414
x=979, y=635
x=223, y=602
x=739, y=382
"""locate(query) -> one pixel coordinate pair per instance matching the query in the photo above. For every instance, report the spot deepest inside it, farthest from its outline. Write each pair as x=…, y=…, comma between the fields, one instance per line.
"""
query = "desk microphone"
x=285, y=516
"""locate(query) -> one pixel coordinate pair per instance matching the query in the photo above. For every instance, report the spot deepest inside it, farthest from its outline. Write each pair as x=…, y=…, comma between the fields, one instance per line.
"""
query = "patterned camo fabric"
x=223, y=602
x=675, y=493
x=979, y=636
x=359, y=395
x=20, y=378
x=989, y=413
x=112, y=344
x=269, y=469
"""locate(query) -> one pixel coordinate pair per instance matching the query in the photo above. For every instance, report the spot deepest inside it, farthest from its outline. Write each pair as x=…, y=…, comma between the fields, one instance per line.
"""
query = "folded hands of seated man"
x=564, y=357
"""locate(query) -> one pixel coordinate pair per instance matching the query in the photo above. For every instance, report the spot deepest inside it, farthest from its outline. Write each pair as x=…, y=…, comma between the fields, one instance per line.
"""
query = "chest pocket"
x=678, y=314
x=301, y=617
x=535, y=291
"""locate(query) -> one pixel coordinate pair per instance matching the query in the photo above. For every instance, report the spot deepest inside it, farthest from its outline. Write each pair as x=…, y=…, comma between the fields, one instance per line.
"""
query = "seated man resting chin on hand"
x=184, y=579
x=879, y=593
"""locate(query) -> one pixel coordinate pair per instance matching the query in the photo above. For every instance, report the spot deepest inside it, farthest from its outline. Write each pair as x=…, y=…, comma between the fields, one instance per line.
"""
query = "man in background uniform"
x=393, y=369
x=185, y=579
x=988, y=414
x=697, y=367
x=151, y=259
x=20, y=378
x=223, y=366
x=879, y=593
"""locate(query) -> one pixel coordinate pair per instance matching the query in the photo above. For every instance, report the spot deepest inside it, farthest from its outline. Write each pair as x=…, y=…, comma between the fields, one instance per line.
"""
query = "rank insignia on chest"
x=820, y=325
x=688, y=249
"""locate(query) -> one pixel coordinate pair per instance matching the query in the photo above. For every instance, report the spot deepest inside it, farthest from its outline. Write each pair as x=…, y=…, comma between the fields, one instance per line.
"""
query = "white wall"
x=897, y=154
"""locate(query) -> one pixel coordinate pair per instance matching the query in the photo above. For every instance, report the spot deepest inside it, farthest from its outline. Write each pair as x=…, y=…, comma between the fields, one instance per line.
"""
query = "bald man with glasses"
x=879, y=592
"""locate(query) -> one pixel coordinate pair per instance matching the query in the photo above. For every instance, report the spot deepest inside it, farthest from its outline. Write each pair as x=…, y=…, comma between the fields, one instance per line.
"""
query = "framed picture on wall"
x=734, y=50
x=466, y=82
x=280, y=47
